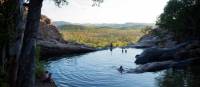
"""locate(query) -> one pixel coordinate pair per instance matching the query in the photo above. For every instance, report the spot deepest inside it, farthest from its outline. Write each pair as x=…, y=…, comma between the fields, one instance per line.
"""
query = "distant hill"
x=60, y=23
x=125, y=25
x=68, y=25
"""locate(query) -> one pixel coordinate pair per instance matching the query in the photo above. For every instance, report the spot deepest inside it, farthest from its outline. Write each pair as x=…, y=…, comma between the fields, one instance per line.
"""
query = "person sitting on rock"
x=47, y=77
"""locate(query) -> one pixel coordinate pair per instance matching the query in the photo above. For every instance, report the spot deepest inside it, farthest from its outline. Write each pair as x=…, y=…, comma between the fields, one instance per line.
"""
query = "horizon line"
x=106, y=23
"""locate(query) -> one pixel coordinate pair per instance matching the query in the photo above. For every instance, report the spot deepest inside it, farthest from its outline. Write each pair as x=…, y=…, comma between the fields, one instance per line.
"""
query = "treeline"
x=68, y=26
x=101, y=37
x=181, y=17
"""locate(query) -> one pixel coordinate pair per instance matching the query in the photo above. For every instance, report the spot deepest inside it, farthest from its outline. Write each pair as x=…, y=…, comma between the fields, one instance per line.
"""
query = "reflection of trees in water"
x=180, y=78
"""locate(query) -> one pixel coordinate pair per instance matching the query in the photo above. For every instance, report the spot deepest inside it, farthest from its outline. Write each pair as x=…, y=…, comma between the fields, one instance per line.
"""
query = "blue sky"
x=111, y=11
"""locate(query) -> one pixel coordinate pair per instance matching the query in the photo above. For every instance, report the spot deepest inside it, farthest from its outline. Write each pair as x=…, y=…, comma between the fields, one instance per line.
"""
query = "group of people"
x=124, y=50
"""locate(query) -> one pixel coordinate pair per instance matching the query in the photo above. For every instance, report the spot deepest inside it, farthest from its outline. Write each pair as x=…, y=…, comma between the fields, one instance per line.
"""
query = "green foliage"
x=101, y=37
x=39, y=65
x=181, y=17
x=146, y=30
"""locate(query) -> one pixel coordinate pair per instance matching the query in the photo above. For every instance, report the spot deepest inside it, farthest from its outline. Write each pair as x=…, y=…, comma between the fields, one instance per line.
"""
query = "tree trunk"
x=12, y=41
x=2, y=57
x=15, y=45
x=26, y=72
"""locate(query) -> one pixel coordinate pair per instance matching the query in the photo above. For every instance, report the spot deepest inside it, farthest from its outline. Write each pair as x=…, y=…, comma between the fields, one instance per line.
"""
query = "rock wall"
x=163, y=52
x=157, y=38
x=48, y=32
x=52, y=44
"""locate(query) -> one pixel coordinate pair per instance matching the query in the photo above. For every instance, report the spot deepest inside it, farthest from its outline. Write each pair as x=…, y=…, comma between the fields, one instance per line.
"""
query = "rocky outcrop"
x=163, y=52
x=158, y=54
x=51, y=49
x=147, y=41
x=151, y=67
x=51, y=42
x=180, y=56
x=49, y=32
x=157, y=66
x=156, y=38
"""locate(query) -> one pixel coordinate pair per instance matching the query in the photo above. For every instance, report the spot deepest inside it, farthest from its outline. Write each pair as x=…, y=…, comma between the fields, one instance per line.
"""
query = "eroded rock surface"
x=52, y=43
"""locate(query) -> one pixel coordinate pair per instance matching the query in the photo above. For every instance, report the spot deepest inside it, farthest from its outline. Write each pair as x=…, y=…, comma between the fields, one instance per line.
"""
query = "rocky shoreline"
x=58, y=49
x=164, y=53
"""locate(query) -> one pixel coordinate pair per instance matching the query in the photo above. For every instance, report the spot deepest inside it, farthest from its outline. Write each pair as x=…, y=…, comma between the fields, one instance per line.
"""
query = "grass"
x=39, y=65
x=103, y=37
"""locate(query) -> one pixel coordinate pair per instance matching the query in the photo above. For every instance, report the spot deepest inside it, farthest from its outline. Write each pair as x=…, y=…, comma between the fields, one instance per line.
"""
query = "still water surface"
x=99, y=69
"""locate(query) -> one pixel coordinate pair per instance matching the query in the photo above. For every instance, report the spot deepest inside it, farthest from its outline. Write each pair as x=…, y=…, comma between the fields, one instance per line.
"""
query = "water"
x=99, y=69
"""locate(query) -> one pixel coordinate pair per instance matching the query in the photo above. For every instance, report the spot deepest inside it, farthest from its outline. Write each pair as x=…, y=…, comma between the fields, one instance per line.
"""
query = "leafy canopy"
x=181, y=17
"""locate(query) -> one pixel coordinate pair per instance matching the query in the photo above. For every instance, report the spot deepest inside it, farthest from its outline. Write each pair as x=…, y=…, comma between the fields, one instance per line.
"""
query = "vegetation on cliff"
x=101, y=37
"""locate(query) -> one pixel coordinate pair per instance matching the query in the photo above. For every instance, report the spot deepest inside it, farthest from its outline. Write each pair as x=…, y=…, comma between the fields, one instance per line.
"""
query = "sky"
x=110, y=11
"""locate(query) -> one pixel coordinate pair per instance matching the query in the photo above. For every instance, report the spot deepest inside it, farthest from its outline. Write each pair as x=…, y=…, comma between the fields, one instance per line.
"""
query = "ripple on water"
x=99, y=69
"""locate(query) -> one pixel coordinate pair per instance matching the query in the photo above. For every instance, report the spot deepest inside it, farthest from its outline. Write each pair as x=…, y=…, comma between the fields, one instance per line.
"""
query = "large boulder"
x=147, y=41
x=152, y=67
x=157, y=66
x=180, y=56
x=156, y=38
x=48, y=32
x=49, y=49
x=155, y=54
x=191, y=51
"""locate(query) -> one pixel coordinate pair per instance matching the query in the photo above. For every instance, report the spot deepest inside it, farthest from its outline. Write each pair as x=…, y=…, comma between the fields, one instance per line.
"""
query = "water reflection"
x=189, y=77
x=99, y=69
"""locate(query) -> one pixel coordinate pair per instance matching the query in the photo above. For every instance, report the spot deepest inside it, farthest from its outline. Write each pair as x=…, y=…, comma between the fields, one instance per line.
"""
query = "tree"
x=26, y=77
x=11, y=31
x=181, y=17
x=19, y=48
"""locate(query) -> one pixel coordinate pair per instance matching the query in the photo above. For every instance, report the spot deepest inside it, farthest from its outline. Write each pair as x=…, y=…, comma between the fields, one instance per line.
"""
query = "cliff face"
x=157, y=38
x=51, y=42
x=48, y=32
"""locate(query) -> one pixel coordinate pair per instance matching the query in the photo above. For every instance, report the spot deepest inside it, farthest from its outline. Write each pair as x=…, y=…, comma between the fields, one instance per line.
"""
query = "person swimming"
x=120, y=69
